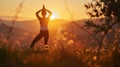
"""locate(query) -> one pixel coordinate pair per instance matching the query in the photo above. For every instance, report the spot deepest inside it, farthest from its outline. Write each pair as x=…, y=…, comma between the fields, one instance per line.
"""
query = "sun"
x=54, y=16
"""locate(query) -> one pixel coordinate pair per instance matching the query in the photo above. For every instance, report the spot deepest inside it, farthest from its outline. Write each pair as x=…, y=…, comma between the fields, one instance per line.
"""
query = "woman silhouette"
x=43, y=26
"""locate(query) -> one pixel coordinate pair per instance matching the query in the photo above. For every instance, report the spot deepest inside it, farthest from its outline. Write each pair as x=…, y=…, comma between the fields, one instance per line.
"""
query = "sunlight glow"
x=54, y=16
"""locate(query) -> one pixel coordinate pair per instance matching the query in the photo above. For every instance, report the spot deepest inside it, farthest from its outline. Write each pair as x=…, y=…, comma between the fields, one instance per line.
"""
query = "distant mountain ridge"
x=33, y=25
x=26, y=30
x=11, y=18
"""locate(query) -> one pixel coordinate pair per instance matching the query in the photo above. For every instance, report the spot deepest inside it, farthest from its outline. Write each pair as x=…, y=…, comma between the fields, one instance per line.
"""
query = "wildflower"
x=70, y=42
x=94, y=58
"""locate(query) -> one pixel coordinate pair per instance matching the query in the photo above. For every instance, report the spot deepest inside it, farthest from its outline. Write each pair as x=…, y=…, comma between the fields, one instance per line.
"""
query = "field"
x=65, y=50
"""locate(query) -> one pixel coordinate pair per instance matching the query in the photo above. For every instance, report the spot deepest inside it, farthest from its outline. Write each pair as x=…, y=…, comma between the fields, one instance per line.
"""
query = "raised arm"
x=37, y=13
x=50, y=13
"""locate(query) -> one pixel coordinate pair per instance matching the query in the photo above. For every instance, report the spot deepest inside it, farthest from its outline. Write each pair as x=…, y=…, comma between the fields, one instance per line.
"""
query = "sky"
x=58, y=7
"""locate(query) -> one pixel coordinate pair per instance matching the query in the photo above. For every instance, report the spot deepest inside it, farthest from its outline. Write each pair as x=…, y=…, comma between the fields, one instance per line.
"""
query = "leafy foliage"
x=103, y=9
x=108, y=11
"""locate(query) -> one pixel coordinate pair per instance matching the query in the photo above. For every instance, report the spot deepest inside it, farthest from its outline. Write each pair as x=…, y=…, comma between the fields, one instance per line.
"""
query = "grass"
x=59, y=56
x=62, y=53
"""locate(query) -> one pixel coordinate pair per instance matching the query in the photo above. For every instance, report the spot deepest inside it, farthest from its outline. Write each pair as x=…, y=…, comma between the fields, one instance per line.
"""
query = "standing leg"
x=46, y=37
x=37, y=38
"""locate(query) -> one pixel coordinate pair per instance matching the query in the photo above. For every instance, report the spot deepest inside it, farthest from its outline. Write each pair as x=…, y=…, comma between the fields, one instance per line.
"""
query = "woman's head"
x=43, y=11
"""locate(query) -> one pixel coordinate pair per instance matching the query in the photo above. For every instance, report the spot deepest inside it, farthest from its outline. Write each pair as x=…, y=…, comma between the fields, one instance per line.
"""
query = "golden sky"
x=58, y=7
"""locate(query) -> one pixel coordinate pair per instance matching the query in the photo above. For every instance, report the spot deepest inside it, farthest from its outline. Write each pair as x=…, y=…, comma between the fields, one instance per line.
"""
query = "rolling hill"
x=26, y=30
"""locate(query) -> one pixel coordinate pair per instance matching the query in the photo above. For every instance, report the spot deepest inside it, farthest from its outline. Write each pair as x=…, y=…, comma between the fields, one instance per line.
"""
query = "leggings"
x=43, y=33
